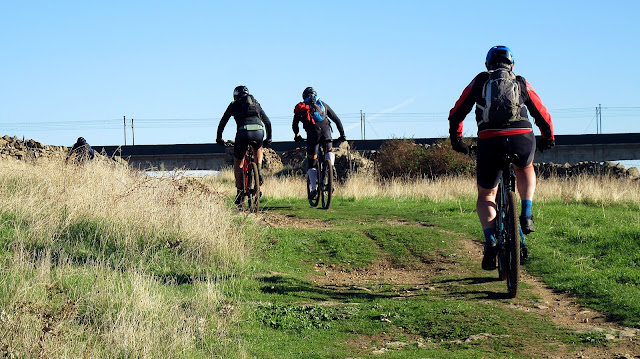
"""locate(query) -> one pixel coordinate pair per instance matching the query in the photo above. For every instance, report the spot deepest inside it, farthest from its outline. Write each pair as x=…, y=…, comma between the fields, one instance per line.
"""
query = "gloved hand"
x=298, y=138
x=220, y=141
x=268, y=142
x=459, y=146
x=545, y=144
x=342, y=138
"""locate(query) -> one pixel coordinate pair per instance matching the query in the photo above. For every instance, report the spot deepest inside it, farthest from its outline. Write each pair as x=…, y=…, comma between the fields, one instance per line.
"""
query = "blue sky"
x=75, y=68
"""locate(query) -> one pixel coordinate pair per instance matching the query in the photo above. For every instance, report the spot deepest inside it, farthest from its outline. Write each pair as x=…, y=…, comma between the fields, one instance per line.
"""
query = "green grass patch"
x=593, y=252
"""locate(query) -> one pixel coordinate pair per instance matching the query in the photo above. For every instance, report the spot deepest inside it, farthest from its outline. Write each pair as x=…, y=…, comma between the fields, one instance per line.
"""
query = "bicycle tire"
x=327, y=184
x=313, y=201
x=253, y=188
x=501, y=232
x=513, y=246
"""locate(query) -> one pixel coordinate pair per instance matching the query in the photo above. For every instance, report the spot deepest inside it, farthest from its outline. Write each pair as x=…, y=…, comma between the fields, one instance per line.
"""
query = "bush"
x=405, y=158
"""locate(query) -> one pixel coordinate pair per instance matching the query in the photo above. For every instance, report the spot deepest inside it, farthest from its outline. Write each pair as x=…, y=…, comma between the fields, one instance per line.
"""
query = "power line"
x=396, y=117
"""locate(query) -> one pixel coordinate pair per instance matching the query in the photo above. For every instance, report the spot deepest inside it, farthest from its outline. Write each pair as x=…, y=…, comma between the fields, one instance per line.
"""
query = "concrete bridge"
x=210, y=156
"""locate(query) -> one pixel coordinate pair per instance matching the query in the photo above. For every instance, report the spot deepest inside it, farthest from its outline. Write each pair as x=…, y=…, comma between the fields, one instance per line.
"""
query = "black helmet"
x=308, y=92
x=240, y=91
x=499, y=54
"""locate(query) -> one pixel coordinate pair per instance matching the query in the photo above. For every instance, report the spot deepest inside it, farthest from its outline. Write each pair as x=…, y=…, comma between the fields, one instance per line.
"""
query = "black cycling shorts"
x=245, y=138
x=491, y=153
x=316, y=135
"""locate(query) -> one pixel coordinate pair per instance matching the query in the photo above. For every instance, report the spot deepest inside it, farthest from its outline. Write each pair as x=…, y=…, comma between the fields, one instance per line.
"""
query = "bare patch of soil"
x=278, y=220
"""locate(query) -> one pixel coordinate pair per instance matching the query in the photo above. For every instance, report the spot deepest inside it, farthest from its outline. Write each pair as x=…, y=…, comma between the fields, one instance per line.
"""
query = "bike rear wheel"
x=313, y=201
x=253, y=188
x=326, y=184
x=512, y=250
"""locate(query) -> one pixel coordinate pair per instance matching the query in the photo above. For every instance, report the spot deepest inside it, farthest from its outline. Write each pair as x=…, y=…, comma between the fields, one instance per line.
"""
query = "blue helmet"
x=499, y=54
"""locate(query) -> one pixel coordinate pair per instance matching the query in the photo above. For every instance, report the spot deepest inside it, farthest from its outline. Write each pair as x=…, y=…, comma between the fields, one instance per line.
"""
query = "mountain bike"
x=324, y=179
x=250, y=181
x=511, y=247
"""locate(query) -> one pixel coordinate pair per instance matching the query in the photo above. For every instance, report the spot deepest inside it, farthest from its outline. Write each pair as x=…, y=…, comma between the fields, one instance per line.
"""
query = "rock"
x=271, y=161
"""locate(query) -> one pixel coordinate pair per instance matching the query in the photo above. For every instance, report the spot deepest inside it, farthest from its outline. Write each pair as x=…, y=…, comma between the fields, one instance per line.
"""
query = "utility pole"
x=600, y=116
x=133, y=136
x=364, y=126
x=361, y=126
x=124, y=121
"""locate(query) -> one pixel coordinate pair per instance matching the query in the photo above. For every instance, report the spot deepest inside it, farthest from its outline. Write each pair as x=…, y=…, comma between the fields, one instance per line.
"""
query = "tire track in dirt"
x=562, y=309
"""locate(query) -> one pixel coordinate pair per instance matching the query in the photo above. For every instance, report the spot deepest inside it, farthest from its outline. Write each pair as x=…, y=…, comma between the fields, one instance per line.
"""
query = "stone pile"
x=608, y=169
x=13, y=147
x=347, y=161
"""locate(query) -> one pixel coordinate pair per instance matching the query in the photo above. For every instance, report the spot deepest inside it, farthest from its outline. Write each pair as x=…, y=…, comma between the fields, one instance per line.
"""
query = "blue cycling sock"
x=489, y=235
x=526, y=207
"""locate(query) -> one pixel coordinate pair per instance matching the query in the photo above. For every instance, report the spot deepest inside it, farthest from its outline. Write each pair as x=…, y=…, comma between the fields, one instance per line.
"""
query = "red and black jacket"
x=472, y=94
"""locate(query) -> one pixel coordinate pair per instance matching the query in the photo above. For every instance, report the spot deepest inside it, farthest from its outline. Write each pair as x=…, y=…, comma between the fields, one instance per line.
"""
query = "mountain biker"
x=315, y=116
x=251, y=122
x=80, y=152
x=497, y=137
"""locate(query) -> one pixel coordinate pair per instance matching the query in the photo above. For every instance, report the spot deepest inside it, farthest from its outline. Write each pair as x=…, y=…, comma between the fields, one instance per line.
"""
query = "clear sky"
x=75, y=68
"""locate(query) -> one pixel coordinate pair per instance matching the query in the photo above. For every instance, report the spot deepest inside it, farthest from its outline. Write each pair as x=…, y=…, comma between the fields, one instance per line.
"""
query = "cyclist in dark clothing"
x=80, y=152
x=251, y=120
x=315, y=116
x=499, y=137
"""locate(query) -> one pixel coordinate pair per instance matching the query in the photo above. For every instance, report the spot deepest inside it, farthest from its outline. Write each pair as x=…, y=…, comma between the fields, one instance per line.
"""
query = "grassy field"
x=101, y=261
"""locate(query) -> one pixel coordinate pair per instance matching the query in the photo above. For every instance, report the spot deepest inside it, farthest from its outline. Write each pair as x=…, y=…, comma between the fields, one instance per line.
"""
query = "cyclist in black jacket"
x=315, y=115
x=498, y=136
x=80, y=152
x=251, y=120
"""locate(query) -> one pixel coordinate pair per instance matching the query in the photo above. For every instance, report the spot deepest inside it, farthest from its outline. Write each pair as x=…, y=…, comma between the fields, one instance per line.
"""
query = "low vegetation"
x=403, y=158
x=103, y=261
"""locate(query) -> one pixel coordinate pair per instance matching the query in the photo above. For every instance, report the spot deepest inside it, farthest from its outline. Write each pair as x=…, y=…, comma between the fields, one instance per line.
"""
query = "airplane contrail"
x=391, y=109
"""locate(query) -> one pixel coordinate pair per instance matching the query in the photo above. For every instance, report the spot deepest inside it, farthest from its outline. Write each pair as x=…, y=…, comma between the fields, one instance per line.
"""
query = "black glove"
x=459, y=146
x=220, y=141
x=342, y=138
x=545, y=144
x=268, y=142
x=298, y=138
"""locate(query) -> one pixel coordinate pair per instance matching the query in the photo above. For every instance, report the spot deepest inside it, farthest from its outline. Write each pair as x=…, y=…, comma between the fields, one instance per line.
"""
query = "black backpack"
x=502, y=98
x=247, y=107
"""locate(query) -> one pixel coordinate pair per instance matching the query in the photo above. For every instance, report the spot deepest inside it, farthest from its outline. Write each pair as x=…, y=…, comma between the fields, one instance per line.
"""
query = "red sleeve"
x=462, y=107
x=539, y=112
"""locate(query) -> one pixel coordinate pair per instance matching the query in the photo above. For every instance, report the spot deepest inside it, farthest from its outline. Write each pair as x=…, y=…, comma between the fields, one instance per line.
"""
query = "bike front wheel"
x=253, y=188
x=326, y=184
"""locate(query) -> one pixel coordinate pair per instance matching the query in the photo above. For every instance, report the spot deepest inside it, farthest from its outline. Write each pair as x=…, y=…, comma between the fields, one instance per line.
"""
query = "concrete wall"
x=211, y=161
x=210, y=156
x=573, y=154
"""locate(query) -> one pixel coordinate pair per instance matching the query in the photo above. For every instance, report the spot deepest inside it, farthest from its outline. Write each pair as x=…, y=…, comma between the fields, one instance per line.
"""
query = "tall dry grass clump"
x=94, y=258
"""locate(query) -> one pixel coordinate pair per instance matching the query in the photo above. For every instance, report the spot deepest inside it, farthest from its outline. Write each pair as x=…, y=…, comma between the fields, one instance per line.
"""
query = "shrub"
x=405, y=158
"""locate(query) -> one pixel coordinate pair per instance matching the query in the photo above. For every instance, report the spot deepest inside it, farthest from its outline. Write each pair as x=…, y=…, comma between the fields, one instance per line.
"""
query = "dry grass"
x=579, y=189
x=107, y=304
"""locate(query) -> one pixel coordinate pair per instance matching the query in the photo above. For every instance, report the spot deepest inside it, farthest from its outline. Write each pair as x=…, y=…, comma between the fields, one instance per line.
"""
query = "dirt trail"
x=560, y=308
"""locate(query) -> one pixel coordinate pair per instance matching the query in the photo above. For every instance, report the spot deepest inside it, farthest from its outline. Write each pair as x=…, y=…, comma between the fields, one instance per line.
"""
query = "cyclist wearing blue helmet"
x=316, y=117
x=502, y=100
